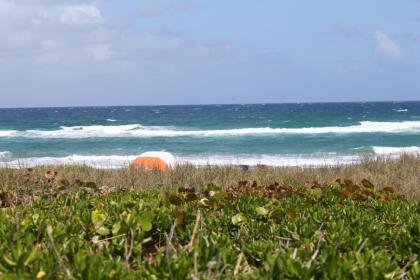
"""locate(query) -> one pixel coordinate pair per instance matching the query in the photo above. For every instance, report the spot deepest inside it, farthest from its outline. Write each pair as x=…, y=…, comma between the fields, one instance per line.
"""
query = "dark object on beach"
x=244, y=167
x=261, y=166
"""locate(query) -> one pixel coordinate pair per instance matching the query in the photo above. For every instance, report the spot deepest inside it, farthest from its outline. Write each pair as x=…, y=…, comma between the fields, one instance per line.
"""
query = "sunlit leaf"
x=261, y=211
x=103, y=231
x=146, y=219
x=238, y=219
x=98, y=218
x=116, y=228
x=41, y=274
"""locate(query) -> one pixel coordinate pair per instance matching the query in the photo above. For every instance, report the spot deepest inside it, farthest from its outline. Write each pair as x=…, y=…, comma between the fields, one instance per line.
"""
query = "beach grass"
x=402, y=174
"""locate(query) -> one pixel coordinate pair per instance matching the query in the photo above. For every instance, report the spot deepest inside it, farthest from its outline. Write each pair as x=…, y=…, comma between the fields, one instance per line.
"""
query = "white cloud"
x=80, y=14
x=387, y=47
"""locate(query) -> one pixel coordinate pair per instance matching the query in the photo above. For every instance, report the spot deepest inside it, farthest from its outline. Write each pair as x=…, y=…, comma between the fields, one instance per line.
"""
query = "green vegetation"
x=69, y=228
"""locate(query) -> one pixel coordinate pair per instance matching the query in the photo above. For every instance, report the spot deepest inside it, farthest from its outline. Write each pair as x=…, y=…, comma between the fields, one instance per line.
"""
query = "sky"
x=144, y=52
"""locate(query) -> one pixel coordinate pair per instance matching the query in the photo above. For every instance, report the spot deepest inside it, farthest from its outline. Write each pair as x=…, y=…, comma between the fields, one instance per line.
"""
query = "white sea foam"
x=270, y=160
x=111, y=120
x=115, y=161
x=400, y=110
x=413, y=150
x=8, y=133
x=5, y=155
x=137, y=130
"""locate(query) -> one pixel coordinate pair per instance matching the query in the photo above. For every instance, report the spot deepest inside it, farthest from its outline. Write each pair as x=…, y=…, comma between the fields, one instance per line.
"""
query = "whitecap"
x=400, y=110
x=137, y=130
x=413, y=150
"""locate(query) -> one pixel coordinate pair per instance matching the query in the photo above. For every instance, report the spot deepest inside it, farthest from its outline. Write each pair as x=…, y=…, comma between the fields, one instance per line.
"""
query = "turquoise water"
x=278, y=134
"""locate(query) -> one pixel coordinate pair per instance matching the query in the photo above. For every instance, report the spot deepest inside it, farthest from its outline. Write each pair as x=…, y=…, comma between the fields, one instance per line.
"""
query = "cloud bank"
x=71, y=46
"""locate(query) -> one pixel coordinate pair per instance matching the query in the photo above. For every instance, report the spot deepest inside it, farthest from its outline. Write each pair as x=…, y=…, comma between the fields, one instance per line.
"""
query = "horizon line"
x=210, y=104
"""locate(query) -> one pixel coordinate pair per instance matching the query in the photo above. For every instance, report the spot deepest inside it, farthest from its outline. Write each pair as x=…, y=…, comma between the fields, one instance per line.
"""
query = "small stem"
x=238, y=264
x=194, y=233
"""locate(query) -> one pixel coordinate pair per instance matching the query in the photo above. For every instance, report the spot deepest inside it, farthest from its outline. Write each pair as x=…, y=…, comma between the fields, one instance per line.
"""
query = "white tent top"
x=168, y=158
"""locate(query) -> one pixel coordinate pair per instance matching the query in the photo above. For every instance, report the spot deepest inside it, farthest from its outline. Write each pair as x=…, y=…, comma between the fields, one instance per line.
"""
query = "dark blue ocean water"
x=278, y=134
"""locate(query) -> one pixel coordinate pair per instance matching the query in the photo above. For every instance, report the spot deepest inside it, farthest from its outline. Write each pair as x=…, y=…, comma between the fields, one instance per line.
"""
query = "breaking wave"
x=136, y=130
x=414, y=150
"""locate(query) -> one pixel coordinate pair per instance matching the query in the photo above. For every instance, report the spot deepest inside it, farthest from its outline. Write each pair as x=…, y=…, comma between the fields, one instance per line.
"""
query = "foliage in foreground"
x=247, y=231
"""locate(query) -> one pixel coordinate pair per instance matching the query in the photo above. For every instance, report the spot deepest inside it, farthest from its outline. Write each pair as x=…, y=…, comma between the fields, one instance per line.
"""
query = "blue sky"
x=109, y=52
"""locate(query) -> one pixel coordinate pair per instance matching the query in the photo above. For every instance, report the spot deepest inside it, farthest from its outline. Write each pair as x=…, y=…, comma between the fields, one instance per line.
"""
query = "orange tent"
x=154, y=160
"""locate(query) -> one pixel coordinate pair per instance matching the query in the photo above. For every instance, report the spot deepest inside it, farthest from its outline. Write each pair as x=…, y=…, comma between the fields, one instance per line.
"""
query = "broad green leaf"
x=146, y=219
x=238, y=219
x=315, y=193
x=98, y=218
x=116, y=228
x=146, y=226
x=261, y=211
x=103, y=231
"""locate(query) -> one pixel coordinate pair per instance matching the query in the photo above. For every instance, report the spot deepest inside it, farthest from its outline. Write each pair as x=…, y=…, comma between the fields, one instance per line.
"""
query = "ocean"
x=273, y=134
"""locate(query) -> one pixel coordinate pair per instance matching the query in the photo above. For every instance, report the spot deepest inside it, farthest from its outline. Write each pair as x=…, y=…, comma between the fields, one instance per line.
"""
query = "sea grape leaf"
x=146, y=219
x=295, y=236
x=98, y=218
x=220, y=195
x=389, y=189
x=367, y=184
x=205, y=202
x=91, y=185
x=116, y=228
x=277, y=215
x=103, y=231
x=238, y=219
x=315, y=193
x=191, y=197
x=346, y=193
x=175, y=199
x=261, y=211
x=146, y=226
